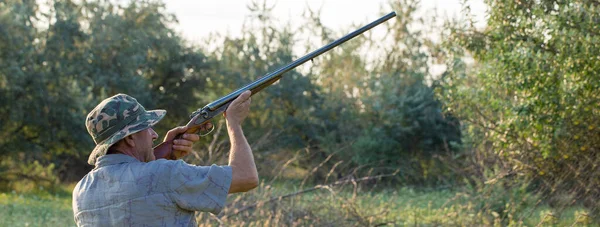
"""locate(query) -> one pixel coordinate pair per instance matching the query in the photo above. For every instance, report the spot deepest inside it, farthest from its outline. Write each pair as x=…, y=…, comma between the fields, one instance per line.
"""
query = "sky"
x=199, y=18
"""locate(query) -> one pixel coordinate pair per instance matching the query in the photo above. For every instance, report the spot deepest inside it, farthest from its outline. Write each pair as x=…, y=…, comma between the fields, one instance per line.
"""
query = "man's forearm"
x=241, y=160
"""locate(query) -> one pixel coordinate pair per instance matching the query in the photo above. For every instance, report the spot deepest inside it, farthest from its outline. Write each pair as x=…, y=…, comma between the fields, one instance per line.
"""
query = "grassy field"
x=36, y=209
x=325, y=206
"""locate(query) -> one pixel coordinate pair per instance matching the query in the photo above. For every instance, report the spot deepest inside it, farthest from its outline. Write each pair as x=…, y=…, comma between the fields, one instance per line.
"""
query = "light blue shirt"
x=122, y=191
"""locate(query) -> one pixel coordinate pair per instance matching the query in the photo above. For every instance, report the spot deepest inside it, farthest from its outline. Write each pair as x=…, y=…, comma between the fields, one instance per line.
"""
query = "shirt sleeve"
x=200, y=188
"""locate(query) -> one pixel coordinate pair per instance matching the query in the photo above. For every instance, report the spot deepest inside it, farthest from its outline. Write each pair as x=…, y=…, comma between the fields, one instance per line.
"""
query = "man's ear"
x=129, y=141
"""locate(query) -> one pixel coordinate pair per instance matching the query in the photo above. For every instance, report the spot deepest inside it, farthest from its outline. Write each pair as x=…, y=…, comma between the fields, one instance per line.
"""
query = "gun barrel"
x=270, y=78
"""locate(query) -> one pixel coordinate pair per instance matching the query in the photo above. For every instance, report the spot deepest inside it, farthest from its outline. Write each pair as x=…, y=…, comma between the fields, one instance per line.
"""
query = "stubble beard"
x=150, y=153
x=147, y=152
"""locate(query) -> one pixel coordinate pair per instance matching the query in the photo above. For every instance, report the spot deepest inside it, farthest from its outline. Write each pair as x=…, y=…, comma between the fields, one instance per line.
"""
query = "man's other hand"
x=183, y=146
x=239, y=109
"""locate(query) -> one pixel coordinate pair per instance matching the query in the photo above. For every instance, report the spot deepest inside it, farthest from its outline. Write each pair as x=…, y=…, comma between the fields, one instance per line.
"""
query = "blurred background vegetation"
x=506, y=134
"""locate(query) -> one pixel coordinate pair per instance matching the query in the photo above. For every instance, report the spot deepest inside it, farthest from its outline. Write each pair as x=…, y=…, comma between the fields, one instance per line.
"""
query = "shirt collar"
x=113, y=159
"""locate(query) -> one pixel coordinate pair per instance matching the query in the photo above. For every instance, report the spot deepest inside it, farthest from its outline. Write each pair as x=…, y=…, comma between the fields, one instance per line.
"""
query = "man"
x=128, y=187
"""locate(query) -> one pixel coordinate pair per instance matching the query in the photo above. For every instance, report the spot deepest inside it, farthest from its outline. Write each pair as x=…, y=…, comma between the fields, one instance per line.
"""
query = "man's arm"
x=244, y=174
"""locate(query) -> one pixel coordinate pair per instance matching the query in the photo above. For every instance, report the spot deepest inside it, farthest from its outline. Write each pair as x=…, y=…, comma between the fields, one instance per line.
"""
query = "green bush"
x=23, y=176
x=533, y=93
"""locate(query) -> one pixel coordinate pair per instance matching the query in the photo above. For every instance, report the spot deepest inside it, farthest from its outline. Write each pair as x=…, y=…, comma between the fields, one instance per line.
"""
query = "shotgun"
x=206, y=113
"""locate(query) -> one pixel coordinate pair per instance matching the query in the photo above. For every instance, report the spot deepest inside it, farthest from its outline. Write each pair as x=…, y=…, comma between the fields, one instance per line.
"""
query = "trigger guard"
x=208, y=132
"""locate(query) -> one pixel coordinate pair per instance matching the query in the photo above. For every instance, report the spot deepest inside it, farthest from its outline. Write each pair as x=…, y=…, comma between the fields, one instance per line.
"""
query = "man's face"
x=143, y=144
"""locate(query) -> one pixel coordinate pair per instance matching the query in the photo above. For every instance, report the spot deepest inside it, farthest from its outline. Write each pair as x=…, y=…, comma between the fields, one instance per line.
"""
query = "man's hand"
x=239, y=109
x=183, y=145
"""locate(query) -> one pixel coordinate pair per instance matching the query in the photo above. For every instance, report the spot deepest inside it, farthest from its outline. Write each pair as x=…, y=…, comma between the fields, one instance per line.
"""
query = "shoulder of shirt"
x=167, y=162
x=160, y=163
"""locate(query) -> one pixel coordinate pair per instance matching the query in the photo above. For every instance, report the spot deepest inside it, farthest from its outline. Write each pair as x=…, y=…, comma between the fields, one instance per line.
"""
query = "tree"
x=57, y=64
x=380, y=108
x=534, y=93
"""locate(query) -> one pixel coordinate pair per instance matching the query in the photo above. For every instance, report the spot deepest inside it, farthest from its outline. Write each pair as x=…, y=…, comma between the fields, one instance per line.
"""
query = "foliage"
x=31, y=88
x=381, y=111
x=532, y=95
x=63, y=57
x=24, y=176
x=335, y=103
x=286, y=106
x=52, y=76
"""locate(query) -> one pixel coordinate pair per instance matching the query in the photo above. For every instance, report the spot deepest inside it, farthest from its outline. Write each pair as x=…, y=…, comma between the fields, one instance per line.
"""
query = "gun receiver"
x=204, y=114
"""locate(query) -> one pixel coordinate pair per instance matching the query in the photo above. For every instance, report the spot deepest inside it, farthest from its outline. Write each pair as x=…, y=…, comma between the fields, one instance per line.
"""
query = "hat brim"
x=142, y=122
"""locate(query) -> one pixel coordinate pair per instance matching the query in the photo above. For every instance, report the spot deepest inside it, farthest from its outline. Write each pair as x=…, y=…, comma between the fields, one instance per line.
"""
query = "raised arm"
x=241, y=160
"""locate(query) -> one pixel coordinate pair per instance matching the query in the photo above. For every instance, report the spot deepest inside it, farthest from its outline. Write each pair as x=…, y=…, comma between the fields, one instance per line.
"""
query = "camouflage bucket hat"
x=114, y=119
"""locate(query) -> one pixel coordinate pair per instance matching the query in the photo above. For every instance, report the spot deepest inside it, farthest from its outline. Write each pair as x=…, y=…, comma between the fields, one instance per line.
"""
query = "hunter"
x=128, y=187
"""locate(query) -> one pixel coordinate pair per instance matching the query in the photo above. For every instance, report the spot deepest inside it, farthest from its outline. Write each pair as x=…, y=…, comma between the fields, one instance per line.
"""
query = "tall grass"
x=360, y=204
x=366, y=205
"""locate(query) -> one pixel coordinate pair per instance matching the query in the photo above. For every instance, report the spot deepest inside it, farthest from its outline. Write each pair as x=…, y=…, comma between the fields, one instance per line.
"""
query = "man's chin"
x=150, y=157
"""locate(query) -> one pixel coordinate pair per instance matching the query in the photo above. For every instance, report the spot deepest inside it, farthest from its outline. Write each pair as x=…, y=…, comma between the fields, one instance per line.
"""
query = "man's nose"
x=154, y=134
